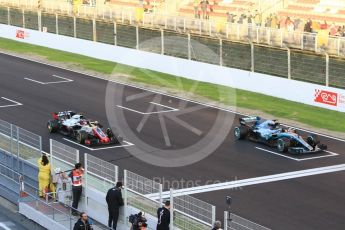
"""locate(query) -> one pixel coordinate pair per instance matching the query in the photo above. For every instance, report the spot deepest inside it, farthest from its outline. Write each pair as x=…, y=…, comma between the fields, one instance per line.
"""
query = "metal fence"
x=63, y=156
x=285, y=61
x=238, y=223
x=100, y=174
x=192, y=213
x=22, y=143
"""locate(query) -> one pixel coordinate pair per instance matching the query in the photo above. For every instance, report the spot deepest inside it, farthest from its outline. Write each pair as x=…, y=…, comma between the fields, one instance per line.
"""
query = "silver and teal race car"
x=271, y=133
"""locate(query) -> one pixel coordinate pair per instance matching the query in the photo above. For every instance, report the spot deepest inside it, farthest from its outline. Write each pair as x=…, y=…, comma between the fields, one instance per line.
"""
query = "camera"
x=138, y=220
x=228, y=200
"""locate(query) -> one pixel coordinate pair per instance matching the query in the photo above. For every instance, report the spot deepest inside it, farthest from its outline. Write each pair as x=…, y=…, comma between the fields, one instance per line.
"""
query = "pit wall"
x=306, y=93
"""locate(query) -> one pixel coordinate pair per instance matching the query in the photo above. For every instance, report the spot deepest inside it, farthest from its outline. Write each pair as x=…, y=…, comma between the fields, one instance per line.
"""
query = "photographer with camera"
x=138, y=221
x=163, y=215
x=115, y=201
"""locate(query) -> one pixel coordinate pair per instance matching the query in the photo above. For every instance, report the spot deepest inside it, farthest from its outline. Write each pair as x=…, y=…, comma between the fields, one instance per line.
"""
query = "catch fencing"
x=62, y=156
x=257, y=49
x=100, y=175
x=234, y=222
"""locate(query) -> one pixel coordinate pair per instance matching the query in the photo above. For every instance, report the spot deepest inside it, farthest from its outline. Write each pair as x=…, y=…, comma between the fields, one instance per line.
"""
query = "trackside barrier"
x=238, y=223
x=63, y=156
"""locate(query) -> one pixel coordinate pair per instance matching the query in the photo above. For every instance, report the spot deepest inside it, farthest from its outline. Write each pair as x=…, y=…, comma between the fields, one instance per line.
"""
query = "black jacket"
x=114, y=198
x=163, y=215
x=79, y=225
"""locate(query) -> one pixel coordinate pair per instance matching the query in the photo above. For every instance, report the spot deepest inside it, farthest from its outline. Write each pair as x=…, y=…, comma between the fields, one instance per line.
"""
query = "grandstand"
x=320, y=10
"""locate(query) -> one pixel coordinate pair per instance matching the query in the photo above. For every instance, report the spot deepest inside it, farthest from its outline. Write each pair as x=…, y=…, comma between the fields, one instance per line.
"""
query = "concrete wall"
x=307, y=93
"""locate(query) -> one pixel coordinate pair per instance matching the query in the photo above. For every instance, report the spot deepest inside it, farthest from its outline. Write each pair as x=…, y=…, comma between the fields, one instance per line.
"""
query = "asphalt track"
x=311, y=202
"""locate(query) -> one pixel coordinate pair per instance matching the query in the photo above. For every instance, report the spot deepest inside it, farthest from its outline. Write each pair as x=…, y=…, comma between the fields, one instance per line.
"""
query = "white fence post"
x=327, y=69
x=226, y=222
x=252, y=56
x=94, y=30
x=23, y=13
x=85, y=179
x=171, y=209
x=162, y=42
x=8, y=16
x=213, y=214
x=51, y=151
x=189, y=48
x=160, y=195
x=289, y=62
x=220, y=52
x=125, y=197
x=74, y=26
x=57, y=23
x=115, y=34
x=137, y=36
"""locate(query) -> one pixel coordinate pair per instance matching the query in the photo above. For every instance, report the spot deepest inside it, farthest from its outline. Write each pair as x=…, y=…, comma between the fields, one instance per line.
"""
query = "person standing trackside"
x=83, y=223
x=77, y=189
x=114, y=201
x=43, y=174
x=217, y=225
x=163, y=215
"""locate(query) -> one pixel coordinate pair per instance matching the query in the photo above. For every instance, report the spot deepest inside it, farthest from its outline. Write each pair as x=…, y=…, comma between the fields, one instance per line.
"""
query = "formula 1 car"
x=271, y=133
x=84, y=131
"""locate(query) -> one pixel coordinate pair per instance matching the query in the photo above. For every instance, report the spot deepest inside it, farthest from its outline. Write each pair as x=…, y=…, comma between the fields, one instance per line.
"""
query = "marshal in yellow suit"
x=43, y=174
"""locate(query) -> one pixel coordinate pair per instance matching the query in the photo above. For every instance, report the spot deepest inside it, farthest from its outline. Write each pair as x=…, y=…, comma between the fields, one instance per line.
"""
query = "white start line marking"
x=126, y=144
x=330, y=154
x=148, y=113
x=64, y=80
x=15, y=103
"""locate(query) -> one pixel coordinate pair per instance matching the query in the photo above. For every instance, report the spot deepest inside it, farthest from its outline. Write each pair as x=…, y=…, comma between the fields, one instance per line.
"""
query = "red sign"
x=20, y=34
x=326, y=97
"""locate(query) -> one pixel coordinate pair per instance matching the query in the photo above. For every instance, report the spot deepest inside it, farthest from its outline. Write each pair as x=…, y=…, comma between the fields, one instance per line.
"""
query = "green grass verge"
x=280, y=108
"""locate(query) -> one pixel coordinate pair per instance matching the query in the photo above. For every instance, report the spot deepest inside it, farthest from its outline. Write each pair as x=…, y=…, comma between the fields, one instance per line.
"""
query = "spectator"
x=196, y=5
x=114, y=201
x=204, y=5
x=217, y=225
x=333, y=30
x=83, y=223
x=77, y=188
x=44, y=175
x=274, y=21
x=308, y=26
x=257, y=18
x=163, y=215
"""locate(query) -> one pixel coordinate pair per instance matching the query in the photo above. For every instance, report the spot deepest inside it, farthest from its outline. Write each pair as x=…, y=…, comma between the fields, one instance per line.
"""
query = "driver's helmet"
x=271, y=124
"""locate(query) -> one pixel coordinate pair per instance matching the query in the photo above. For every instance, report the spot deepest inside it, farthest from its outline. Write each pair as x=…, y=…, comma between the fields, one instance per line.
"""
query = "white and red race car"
x=84, y=131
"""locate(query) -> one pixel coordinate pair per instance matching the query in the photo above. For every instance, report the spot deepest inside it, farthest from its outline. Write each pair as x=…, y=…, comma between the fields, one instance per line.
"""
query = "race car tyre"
x=240, y=132
x=283, y=145
x=52, y=126
x=81, y=137
x=313, y=140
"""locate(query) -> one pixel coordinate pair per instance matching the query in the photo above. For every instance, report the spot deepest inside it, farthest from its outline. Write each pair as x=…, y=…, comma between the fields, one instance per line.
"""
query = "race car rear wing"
x=246, y=120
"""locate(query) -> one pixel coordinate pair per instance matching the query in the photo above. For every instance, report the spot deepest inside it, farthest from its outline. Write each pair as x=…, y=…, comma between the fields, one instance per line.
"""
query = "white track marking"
x=331, y=154
x=65, y=80
x=127, y=144
x=278, y=154
x=148, y=113
x=156, y=91
x=3, y=225
x=15, y=103
x=253, y=181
